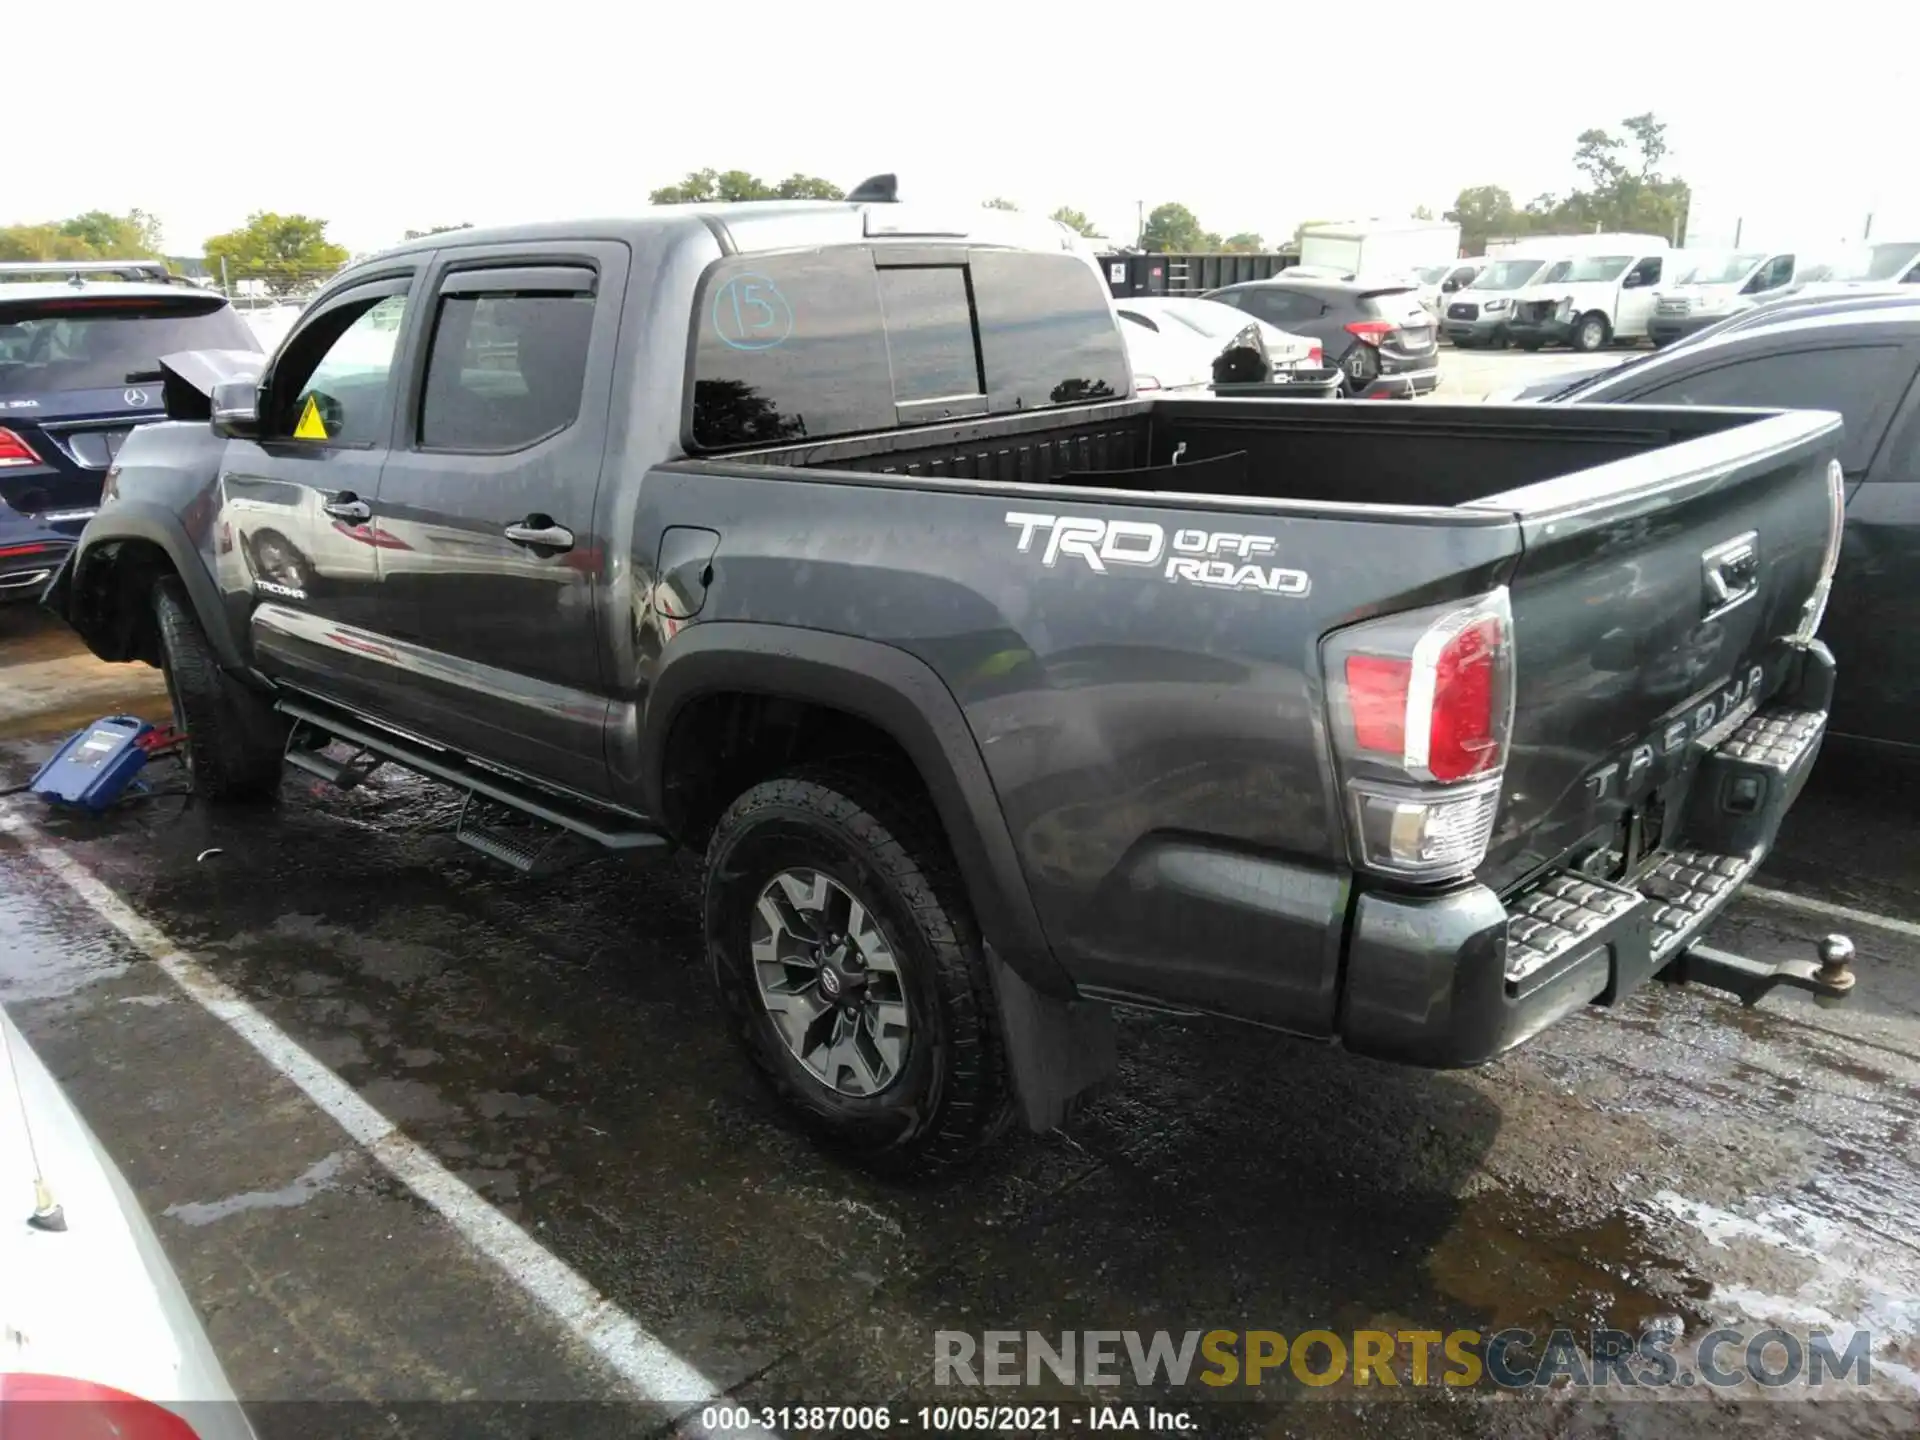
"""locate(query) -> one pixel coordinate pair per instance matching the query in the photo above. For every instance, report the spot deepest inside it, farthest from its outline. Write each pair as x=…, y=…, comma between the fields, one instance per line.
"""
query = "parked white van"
x=1477, y=313
x=1599, y=290
x=1713, y=284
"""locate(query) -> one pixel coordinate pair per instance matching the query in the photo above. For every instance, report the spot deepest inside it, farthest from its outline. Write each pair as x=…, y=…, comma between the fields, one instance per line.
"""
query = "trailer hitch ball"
x=1836, y=962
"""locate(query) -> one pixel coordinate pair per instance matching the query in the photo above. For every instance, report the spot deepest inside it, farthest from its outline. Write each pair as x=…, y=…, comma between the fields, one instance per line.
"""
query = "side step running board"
x=521, y=846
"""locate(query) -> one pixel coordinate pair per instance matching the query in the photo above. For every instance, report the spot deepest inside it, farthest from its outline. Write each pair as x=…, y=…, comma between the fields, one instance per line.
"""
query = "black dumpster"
x=1153, y=273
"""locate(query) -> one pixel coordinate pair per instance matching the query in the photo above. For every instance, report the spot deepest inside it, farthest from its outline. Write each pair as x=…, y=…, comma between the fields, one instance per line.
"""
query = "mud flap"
x=1057, y=1049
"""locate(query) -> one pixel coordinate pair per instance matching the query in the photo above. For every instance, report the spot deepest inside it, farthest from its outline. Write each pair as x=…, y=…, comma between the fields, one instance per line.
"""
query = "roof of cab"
x=758, y=225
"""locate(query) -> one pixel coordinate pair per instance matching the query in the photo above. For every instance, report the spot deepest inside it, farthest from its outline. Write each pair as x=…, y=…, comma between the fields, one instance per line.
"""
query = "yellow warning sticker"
x=311, y=426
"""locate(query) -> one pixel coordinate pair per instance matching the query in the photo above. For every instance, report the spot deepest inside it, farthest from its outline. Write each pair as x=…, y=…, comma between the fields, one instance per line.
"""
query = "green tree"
x=135, y=234
x=1245, y=240
x=706, y=187
x=41, y=242
x=437, y=230
x=1487, y=212
x=1173, y=228
x=1075, y=220
x=96, y=235
x=1624, y=190
x=807, y=187
x=998, y=203
x=287, y=252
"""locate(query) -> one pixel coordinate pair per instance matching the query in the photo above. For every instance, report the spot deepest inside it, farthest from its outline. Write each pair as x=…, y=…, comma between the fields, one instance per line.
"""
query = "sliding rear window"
x=835, y=342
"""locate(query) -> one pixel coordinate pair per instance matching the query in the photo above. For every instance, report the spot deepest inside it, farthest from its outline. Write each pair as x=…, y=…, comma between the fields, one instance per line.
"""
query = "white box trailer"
x=1369, y=249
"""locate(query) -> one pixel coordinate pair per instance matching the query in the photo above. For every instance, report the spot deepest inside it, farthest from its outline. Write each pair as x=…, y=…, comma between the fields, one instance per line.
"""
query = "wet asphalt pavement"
x=1675, y=1162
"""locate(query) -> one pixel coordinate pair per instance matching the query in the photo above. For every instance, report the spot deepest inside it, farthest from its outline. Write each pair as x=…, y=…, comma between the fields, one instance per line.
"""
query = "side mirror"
x=236, y=410
x=1449, y=285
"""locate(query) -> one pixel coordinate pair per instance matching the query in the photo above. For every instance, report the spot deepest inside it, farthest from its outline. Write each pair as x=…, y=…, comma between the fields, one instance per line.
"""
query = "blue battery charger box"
x=93, y=769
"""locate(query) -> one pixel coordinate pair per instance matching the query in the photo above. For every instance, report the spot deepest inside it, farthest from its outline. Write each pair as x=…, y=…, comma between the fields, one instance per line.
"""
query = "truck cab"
x=1709, y=286
x=1600, y=290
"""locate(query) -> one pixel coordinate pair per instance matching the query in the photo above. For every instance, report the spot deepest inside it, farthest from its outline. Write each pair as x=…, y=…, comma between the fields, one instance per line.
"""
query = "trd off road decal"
x=1220, y=559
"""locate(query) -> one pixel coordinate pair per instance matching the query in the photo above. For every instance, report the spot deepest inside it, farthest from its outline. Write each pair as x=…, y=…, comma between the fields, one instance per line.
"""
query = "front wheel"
x=851, y=971
x=233, y=738
x=1591, y=333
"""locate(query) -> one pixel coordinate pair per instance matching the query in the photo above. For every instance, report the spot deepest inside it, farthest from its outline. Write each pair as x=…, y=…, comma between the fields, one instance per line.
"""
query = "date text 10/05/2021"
x=943, y=1419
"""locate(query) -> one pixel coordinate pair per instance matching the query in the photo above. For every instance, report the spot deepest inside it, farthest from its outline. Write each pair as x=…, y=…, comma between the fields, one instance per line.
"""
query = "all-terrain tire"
x=233, y=738
x=873, y=834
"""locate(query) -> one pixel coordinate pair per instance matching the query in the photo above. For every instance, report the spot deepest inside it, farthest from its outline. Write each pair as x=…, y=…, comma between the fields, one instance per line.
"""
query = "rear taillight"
x=1145, y=382
x=13, y=552
x=53, y=1407
x=15, y=451
x=1816, y=608
x=1373, y=332
x=1422, y=708
x=1317, y=358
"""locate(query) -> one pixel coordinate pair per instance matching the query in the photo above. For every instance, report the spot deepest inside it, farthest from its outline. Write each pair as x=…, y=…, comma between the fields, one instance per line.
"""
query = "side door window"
x=333, y=384
x=1646, y=273
x=1861, y=382
x=505, y=369
x=1777, y=272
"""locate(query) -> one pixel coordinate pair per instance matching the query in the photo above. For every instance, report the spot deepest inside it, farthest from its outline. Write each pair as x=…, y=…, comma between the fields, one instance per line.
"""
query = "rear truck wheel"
x=233, y=738
x=851, y=971
x=1591, y=333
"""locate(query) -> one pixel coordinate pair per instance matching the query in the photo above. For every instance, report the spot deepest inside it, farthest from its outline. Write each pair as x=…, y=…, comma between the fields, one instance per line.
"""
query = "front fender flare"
x=134, y=520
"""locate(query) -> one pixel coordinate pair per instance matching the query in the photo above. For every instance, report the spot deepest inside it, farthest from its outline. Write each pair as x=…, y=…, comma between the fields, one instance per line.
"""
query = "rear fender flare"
x=904, y=697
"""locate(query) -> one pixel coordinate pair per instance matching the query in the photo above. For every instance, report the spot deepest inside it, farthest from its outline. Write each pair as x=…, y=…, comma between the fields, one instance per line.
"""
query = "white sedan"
x=1173, y=340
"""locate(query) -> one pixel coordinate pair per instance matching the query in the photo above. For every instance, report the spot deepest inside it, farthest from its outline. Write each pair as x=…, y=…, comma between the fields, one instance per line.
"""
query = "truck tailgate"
x=1661, y=603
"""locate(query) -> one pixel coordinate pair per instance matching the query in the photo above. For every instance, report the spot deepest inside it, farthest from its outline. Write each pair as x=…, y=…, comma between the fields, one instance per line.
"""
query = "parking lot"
x=449, y=1148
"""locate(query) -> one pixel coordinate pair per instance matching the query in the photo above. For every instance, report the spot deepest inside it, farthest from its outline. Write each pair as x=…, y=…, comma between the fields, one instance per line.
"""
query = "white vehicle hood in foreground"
x=97, y=1301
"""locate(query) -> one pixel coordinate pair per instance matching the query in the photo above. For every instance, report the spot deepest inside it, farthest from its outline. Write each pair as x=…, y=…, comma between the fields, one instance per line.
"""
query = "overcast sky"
x=384, y=117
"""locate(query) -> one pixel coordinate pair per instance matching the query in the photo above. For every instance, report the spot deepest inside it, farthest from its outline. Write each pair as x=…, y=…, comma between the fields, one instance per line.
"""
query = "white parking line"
x=654, y=1371
x=1837, y=912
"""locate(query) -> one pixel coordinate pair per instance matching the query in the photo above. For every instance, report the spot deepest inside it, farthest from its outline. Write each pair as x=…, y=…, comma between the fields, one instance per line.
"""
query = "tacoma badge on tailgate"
x=1219, y=559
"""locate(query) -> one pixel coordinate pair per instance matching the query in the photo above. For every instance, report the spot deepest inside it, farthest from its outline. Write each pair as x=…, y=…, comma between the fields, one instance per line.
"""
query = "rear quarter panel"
x=1118, y=712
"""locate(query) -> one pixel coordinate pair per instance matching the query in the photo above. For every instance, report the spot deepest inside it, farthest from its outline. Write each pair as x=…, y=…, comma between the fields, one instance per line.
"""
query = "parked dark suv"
x=78, y=370
x=1380, y=336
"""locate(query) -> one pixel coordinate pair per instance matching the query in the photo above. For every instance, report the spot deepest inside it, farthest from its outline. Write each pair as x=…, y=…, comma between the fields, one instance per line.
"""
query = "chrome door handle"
x=348, y=506
x=541, y=537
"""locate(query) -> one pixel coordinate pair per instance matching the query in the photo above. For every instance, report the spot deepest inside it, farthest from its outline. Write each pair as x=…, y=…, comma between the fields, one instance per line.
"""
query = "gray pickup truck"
x=831, y=538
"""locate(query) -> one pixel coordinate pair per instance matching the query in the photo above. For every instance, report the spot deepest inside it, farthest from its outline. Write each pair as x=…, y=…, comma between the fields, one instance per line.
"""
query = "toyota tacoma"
x=831, y=539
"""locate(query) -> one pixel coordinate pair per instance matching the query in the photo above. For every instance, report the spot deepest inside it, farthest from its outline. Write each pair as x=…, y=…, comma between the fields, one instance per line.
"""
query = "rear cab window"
x=105, y=342
x=832, y=342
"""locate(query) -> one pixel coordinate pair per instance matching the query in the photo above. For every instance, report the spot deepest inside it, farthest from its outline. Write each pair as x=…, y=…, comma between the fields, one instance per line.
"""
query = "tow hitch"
x=1828, y=979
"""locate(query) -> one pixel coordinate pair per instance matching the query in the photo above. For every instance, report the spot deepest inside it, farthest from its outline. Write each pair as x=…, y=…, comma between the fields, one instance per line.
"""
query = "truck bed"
x=1312, y=451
